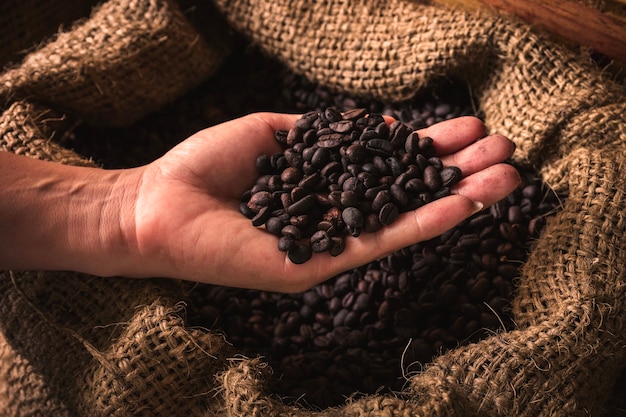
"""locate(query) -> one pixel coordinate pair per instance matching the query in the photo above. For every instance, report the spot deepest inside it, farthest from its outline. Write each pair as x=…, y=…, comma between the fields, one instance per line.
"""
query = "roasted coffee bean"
x=330, y=169
x=281, y=136
x=432, y=178
x=425, y=143
x=300, y=253
x=450, y=176
x=337, y=246
x=305, y=121
x=291, y=175
x=388, y=214
x=320, y=241
x=381, y=147
x=356, y=153
x=354, y=114
x=286, y=243
x=294, y=136
x=320, y=157
x=291, y=232
x=349, y=199
x=331, y=140
x=382, y=197
x=411, y=143
x=246, y=210
x=310, y=181
x=261, y=217
x=341, y=126
x=331, y=114
x=515, y=215
x=302, y=206
x=415, y=185
x=353, y=219
x=398, y=133
x=263, y=165
x=436, y=163
x=260, y=200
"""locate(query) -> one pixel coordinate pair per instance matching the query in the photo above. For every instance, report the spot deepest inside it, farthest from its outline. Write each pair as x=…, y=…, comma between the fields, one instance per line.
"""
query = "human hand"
x=186, y=221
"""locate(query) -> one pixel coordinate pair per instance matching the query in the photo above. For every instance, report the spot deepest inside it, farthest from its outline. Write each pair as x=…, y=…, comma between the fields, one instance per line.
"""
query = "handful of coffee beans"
x=342, y=174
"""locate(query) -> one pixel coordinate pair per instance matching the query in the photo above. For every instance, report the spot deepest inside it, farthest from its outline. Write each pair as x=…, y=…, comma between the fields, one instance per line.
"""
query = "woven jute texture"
x=73, y=344
x=127, y=59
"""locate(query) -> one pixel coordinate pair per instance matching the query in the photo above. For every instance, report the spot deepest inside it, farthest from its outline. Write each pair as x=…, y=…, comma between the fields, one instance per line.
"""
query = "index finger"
x=452, y=135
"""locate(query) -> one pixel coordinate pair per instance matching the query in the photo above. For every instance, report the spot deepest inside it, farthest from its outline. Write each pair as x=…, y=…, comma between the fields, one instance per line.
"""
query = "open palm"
x=188, y=224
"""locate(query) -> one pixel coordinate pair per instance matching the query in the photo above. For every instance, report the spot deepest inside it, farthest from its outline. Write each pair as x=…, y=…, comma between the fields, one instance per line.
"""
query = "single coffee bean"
x=320, y=241
x=261, y=217
x=337, y=246
x=362, y=302
x=305, y=121
x=380, y=147
x=435, y=162
x=309, y=138
x=341, y=126
x=281, y=136
x=398, y=133
x=411, y=143
x=291, y=175
x=388, y=214
x=291, y=232
x=425, y=143
x=354, y=114
x=302, y=206
x=294, y=136
x=300, y=253
x=263, y=165
x=353, y=219
x=274, y=225
x=286, y=244
x=515, y=214
x=383, y=197
x=320, y=157
x=246, y=210
x=432, y=179
x=356, y=153
x=398, y=195
x=324, y=131
x=331, y=140
x=450, y=176
x=260, y=200
x=331, y=169
x=331, y=114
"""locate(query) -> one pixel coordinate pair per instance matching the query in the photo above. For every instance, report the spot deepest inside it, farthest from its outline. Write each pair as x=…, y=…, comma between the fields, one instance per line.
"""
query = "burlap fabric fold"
x=78, y=345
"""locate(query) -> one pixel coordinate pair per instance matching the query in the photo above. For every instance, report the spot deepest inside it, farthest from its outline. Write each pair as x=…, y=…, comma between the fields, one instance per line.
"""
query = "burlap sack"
x=80, y=345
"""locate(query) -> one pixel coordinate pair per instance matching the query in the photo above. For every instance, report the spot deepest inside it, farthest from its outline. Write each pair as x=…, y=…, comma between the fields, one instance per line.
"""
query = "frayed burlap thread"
x=28, y=129
x=153, y=352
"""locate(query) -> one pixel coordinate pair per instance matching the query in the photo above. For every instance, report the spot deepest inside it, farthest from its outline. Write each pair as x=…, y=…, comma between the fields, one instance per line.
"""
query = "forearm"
x=57, y=217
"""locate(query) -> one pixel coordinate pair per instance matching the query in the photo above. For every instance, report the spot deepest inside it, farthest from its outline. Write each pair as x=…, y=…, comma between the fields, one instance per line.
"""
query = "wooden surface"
x=601, y=31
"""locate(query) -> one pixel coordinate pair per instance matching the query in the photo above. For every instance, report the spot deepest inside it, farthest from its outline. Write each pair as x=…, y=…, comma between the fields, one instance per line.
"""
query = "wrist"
x=57, y=217
x=102, y=221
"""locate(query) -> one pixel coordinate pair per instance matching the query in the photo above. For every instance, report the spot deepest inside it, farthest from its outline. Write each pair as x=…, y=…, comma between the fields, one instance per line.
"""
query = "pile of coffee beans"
x=367, y=329
x=342, y=173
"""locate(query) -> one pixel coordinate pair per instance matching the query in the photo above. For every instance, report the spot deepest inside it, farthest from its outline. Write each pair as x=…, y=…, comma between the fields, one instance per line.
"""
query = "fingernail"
x=478, y=206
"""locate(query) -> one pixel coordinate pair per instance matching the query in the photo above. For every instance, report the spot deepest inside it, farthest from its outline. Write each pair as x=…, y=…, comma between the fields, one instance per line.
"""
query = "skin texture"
x=178, y=216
